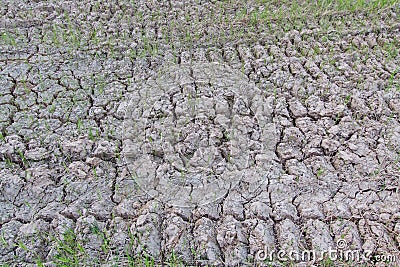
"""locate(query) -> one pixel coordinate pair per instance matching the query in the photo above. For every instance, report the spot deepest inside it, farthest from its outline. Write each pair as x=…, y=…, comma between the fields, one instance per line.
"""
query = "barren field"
x=199, y=133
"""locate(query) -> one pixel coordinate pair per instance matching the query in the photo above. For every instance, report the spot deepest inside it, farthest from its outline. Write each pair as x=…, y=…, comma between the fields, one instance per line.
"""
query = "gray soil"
x=203, y=154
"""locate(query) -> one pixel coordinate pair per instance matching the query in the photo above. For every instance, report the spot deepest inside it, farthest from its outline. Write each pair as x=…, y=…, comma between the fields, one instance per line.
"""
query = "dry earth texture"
x=182, y=133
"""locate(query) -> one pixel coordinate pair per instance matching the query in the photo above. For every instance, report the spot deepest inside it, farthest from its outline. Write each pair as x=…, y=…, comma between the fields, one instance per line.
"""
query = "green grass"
x=142, y=260
x=69, y=250
x=229, y=21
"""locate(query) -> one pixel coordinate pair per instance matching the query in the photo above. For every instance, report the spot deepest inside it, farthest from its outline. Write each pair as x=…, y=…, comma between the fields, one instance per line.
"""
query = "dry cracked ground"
x=181, y=133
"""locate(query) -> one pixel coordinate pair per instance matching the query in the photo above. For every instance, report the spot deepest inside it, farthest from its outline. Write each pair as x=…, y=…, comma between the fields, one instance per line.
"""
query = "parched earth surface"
x=144, y=132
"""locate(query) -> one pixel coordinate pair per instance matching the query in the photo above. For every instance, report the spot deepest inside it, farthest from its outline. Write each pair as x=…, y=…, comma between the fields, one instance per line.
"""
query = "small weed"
x=64, y=164
x=117, y=152
x=55, y=38
x=23, y=159
x=327, y=262
x=69, y=250
x=52, y=108
x=317, y=50
x=26, y=203
x=9, y=163
x=100, y=84
x=134, y=177
x=94, y=37
x=3, y=240
x=91, y=135
x=174, y=260
x=79, y=125
x=95, y=173
x=320, y=172
x=105, y=246
x=132, y=54
x=383, y=186
x=39, y=262
x=21, y=245
x=391, y=79
x=391, y=49
x=347, y=99
x=8, y=39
